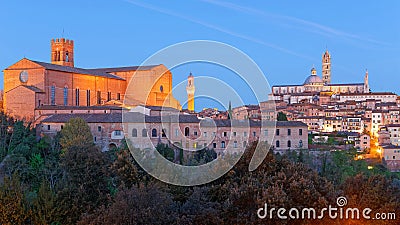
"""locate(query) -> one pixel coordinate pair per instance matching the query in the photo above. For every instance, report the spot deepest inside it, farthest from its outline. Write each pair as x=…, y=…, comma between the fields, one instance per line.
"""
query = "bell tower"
x=190, y=92
x=62, y=52
x=326, y=67
x=366, y=85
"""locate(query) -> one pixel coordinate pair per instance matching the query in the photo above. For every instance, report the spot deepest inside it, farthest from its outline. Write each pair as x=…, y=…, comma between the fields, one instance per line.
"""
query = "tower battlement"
x=62, y=40
x=62, y=52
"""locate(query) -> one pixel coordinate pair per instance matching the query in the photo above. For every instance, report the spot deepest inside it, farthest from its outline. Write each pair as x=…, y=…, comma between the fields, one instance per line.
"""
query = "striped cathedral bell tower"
x=326, y=67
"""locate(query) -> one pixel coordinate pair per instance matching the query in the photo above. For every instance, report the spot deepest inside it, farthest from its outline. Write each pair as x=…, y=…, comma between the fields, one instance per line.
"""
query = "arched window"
x=134, y=132
x=289, y=144
x=77, y=96
x=223, y=144
x=88, y=97
x=277, y=144
x=163, y=131
x=65, y=95
x=187, y=131
x=66, y=57
x=144, y=133
x=53, y=95
x=235, y=144
x=154, y=132
x=98, y=97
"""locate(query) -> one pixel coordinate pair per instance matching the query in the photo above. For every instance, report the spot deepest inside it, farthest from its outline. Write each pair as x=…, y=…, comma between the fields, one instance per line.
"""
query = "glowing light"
x=370, y=167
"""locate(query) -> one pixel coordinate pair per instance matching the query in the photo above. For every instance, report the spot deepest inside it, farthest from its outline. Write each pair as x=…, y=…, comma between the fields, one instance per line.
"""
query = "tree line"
x=68, y=180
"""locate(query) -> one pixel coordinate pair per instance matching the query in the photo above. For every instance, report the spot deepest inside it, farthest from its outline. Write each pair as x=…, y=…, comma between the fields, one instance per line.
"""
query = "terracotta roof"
x=290, y=124
x=390, y=146
x=61, y=107
x=289, y=85
x=123, y=69
x=371, y=93
x=69, y=69
x=393, y=125
x=312, y=117
x=89, y=118
x=161, y=108
x=33, y=88
x=351, y=84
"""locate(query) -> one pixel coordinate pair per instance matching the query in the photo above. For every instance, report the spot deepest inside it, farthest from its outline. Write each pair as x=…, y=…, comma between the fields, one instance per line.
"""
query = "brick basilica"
x=31, y=85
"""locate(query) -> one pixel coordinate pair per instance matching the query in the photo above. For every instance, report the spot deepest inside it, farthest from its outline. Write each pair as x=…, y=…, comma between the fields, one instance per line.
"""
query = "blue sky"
x=285, y=38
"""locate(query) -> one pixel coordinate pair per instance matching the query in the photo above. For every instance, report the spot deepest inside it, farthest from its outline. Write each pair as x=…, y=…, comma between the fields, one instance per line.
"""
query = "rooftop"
x=69, y=69
x=123, y=69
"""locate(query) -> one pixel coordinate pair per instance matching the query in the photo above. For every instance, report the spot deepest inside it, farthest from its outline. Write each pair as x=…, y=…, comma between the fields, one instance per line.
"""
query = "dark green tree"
x=76, y=133
x=282, y=116
x=85, y=182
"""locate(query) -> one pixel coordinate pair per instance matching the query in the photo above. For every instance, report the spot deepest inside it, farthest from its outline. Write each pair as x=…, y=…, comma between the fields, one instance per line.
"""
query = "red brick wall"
x=21, y=103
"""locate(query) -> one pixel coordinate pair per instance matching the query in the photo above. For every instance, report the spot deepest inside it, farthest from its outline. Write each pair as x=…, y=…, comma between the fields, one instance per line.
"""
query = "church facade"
x=315, y=86
x=30, y=84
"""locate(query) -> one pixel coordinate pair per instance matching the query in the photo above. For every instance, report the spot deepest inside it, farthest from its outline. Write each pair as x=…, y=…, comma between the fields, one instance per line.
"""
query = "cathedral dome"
x=313, y=78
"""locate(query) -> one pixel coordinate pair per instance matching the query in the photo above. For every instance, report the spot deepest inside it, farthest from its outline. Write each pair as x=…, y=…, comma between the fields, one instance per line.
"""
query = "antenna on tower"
x=62, y=33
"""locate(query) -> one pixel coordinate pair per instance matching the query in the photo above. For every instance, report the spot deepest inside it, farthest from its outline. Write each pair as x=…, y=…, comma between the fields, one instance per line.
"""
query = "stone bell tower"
x=190, y=92
x=326, y=67
x=366, y=85
x=62, y=52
